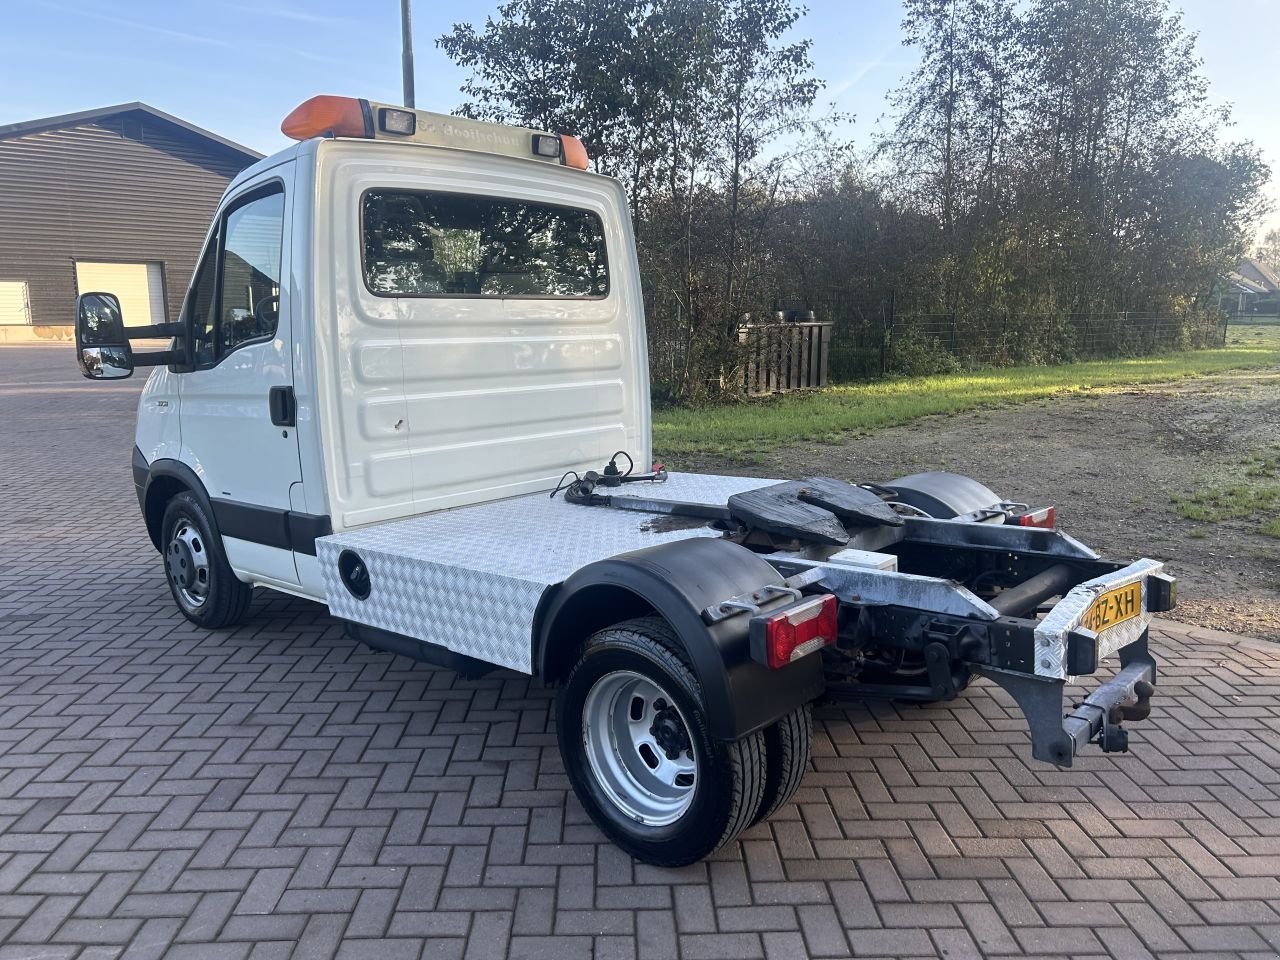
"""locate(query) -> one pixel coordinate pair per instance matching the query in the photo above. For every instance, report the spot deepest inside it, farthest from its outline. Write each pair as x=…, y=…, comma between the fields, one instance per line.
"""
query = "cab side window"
x=198, y=311
x=249, y=306
x=235, y=296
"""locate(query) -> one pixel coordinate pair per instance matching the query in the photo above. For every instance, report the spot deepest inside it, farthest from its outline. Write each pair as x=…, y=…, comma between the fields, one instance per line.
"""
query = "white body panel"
x=228, y=438
x=435, y=402
x=159, y=432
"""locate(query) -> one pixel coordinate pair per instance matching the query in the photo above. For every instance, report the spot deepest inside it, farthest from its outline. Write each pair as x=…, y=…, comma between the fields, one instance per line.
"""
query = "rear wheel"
x=196, y=567
x=788, y=745
x=637, y=748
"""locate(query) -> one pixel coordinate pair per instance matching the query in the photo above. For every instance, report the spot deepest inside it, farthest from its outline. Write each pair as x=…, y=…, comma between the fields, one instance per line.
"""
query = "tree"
x=948, y=146
x=1068, y=154
x=1270, y=251
x=684, y=101
x=1048, y=158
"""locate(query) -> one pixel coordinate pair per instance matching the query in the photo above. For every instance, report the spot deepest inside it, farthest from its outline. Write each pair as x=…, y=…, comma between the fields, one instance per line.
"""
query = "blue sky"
x=238, y=66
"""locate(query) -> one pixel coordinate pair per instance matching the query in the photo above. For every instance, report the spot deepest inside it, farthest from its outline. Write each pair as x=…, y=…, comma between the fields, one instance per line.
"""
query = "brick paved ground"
x=275, y=791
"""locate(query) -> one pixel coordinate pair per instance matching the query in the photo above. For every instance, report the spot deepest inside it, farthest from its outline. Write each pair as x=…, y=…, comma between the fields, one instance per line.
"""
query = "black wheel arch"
x=164, y=479
x=677, y=581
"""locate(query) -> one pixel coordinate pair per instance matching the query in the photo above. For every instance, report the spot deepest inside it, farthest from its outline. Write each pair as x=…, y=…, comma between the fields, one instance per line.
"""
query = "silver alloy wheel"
x=187, y=560
x=639, y=749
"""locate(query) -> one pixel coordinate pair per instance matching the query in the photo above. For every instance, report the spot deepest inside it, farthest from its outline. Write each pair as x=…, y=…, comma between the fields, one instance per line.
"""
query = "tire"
x=627, y=707
x=788, y=745
x=196, y=567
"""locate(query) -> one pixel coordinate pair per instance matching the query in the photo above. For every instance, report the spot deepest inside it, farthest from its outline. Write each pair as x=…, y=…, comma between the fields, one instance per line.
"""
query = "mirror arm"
x=156, y=358
x=155, y=331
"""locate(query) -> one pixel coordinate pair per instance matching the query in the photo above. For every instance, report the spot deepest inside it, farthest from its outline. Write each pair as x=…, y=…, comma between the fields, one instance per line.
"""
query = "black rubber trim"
x=141, y=473
x=305, y=528
x=271, y=526
x=186, y=478
x=384, y=640
x=268, y=526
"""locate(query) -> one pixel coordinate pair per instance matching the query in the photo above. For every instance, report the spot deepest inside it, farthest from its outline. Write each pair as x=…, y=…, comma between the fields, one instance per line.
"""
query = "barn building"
x=112, y=200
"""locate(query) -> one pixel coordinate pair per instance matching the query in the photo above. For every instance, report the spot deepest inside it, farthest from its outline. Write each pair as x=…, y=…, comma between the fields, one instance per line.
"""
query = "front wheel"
x=200, y=578
x=637, y=748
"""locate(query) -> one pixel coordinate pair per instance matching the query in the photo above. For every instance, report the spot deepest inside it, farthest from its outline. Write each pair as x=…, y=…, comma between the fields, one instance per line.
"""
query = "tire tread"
x=788, y=746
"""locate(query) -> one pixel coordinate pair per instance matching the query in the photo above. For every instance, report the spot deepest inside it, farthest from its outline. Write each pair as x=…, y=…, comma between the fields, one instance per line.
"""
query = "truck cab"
x=408, y=329
x=476, y=330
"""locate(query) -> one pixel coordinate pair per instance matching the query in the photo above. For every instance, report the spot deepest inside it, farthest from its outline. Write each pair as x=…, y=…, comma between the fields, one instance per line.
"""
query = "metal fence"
x=876, y=342
x=1054, y=338
x=870, y=337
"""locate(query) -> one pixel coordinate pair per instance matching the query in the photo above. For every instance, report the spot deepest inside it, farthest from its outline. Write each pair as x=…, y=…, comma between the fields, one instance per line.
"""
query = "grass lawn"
x=1254, y=494
x=748, y=429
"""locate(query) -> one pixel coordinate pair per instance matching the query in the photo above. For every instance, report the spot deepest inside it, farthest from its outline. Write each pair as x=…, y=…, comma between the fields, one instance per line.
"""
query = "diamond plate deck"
x=470, y=579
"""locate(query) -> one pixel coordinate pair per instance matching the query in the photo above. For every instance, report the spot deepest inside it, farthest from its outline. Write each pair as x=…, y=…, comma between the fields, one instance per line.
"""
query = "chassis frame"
x=954, y=634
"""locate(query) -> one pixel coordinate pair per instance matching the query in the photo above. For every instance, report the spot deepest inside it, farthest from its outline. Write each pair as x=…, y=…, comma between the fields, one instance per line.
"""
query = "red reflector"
x=1046, y=517
x=800, y=630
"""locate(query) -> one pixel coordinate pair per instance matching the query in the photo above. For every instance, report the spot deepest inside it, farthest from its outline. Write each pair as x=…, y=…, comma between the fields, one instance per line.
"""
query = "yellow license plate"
x=1114, y=606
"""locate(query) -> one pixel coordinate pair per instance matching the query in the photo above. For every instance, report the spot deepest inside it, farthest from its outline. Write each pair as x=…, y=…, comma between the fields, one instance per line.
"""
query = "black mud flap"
x=1057, y=736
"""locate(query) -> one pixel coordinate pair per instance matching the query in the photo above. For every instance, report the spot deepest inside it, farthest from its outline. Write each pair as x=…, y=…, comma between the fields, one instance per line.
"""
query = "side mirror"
x=101, y=345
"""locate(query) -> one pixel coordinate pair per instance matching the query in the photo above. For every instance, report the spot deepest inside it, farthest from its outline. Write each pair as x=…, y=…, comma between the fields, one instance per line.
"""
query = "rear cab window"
x=432, y=244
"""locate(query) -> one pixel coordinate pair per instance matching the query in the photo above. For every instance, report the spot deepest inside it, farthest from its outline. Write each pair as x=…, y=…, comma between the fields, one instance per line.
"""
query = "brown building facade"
x=115, y=200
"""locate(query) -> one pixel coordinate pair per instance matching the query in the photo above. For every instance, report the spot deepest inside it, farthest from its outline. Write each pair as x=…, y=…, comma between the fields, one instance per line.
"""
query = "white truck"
x=408, y=329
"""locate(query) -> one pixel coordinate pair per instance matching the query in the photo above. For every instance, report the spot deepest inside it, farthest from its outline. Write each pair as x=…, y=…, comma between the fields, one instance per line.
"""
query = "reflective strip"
x=1067, y=614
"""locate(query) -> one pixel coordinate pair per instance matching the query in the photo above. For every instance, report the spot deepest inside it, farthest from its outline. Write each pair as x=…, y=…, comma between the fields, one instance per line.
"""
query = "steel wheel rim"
x=187, y=560
x=631, y=727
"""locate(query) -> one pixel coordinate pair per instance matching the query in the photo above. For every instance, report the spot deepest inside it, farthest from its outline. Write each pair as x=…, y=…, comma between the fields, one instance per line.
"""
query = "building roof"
x=1242, y=284
x=8, y=131
x=1259, y=273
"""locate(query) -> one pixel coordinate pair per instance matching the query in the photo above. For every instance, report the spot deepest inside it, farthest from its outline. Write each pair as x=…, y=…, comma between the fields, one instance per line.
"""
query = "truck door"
x=238, y=412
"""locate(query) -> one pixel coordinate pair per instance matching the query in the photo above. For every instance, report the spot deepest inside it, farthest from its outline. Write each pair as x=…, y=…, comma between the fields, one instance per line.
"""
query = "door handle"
x=283, y=406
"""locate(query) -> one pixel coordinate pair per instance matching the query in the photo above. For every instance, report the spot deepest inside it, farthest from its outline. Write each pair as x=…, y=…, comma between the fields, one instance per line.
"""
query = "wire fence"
x=872, y=337
x=881, y=342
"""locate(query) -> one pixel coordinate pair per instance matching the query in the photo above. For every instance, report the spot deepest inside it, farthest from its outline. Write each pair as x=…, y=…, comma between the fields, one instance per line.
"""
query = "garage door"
x=140, y=287
x=14, y=306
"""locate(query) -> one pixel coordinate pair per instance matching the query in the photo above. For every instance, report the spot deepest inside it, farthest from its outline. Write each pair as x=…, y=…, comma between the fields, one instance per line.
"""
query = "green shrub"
x=919, y=355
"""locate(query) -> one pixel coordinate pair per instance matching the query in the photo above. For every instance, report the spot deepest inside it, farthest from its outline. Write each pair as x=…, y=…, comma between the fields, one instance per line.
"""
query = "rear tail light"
x=786, y=635
x=1046, y=517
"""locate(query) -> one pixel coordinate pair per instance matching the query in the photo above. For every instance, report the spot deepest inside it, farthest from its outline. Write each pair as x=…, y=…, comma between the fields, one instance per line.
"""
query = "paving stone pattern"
x=277, y=791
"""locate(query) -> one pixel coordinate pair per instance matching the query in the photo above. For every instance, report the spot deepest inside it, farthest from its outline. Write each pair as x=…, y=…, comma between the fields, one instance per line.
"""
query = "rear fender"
x=942, y=495
x=677, y=581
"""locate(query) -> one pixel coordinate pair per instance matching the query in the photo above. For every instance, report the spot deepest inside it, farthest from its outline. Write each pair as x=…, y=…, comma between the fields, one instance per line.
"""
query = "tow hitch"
x=1098, y=719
